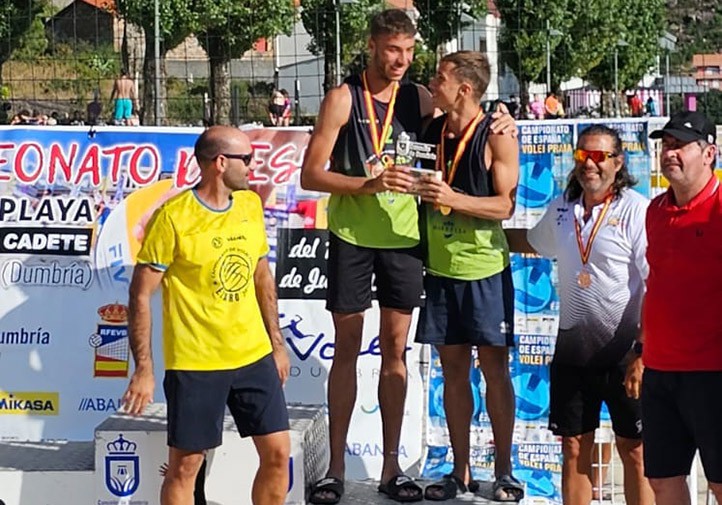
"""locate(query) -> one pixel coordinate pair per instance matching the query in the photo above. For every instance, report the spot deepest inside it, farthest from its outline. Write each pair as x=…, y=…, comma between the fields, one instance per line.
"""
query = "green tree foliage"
x=697, y=24
x=524, y=36
x=16, y=18
x=442, y=20
x=639, y=23
x=229, y=29
x=319, y=20
x=590, y=31
x=178, y=19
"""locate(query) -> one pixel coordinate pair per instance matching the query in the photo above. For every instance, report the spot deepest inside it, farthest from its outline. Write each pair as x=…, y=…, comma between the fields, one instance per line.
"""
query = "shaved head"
x=220, y=139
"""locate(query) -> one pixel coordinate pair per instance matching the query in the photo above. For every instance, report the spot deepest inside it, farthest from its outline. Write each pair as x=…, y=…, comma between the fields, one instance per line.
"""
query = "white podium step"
x=46, y=473
x=121, y=466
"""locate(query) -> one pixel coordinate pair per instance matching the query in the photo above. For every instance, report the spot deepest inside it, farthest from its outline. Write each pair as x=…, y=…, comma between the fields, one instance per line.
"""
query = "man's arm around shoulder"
x=146, y=280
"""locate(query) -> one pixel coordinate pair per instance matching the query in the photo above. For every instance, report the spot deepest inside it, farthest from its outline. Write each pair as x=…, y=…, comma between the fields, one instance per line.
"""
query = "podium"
x=121, y=465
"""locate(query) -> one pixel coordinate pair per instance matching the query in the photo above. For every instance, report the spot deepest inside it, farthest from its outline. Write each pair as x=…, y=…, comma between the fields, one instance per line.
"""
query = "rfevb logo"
x=110, y=342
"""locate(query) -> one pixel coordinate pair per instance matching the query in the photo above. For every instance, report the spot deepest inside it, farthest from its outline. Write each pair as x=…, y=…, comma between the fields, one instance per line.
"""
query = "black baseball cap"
x=688, y=126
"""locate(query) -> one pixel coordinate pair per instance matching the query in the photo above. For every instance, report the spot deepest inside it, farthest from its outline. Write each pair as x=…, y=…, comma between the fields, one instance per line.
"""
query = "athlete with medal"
x=469, y=293
x=596, y=232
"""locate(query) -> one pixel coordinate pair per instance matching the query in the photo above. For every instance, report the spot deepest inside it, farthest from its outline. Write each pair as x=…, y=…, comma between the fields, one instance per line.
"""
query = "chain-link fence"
x=65, y=66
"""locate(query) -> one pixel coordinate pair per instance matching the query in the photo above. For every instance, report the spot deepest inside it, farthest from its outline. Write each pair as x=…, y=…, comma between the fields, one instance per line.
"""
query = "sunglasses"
x=245, y=158
x=582, y=155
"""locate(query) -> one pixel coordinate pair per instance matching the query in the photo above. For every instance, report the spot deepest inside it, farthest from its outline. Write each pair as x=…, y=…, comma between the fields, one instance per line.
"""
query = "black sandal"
x=401, y=482
x=326, y=485
x=449, y=486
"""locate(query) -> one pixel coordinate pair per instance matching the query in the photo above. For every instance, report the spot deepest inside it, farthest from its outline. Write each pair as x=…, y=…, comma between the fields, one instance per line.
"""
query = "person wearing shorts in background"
x=124, y=97
x=207, y=246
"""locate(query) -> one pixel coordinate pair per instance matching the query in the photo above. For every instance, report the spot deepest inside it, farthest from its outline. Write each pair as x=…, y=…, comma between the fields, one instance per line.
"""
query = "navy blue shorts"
x=399, y=274
x=577, y=394
x=197, y=402
x=468, y=312
x=682, y=413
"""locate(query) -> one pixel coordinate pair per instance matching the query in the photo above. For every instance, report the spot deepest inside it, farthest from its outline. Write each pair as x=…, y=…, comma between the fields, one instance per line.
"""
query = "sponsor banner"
x=44, y=272
x=29, y=403
x=301, y=263
x=74, y=203
x=545, y=159
x=308, y=331
x=45, y=241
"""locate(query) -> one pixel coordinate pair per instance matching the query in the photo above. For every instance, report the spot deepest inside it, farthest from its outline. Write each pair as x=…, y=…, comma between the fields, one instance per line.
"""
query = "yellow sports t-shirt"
x=211, y=319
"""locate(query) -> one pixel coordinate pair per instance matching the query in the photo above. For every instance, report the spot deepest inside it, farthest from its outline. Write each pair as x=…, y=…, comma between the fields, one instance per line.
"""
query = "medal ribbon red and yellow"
x=448, y=169
x=584, y=279
x=376, y=139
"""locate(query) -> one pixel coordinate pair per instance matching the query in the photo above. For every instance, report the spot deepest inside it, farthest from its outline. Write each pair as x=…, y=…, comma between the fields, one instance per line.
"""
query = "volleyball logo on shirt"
x=231, y=275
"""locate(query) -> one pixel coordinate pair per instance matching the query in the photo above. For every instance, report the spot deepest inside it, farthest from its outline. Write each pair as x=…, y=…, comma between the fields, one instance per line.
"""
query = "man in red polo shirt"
x=681, y=324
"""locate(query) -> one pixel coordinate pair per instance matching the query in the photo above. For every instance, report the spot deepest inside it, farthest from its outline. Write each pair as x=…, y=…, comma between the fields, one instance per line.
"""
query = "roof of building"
x=108, y=5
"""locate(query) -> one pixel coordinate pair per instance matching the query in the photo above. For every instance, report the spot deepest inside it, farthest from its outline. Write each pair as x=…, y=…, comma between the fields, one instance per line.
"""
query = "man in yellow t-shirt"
x=207, y=247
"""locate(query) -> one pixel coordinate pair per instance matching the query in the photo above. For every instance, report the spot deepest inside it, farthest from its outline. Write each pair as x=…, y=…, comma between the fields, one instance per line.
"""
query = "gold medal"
x=584, y=279
x=445, y=210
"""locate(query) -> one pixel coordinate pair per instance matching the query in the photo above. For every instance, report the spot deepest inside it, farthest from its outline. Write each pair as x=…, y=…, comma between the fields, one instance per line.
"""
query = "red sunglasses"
x=582, y=155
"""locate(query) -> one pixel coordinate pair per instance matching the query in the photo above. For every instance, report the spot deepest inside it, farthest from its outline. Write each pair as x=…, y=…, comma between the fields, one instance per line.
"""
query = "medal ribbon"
x=376, y=140
x=450, y=172
x=584, y=252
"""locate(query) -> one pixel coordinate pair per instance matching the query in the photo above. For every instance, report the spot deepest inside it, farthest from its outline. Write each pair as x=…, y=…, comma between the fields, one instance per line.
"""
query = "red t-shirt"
x=682, y=314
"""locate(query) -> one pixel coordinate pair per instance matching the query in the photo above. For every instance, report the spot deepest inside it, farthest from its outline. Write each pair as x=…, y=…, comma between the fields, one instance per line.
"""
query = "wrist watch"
x=637, y=348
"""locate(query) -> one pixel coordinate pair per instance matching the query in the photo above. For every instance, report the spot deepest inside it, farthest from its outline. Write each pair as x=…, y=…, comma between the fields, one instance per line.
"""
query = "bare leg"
x=671, y=490
x=180, y=478
x=636, y=487
x=577, y=469
x=392, y=386
x=342, y=389
x=500, y=402
x=458, y=406
x=271, y=483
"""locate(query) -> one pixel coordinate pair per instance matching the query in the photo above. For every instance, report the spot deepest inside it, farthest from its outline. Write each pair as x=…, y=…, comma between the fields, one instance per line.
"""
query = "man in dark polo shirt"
x=681, y=326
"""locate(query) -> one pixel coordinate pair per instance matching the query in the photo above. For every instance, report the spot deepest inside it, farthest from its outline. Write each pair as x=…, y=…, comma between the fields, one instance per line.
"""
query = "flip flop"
x=508, y=489
x=396, y=484
x=326, y=485
x=449, y=486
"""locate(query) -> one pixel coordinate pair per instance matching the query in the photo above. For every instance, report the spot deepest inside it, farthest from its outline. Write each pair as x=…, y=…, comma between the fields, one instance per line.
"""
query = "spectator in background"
x=636, y=106
x=286, y=117
x=537, y=107
x=124, y=96
x=77, y=119
x=277, y=108
x=93, y=110
x=650, y=109
x=551, y=106
x=513, y=106
x=23, y=118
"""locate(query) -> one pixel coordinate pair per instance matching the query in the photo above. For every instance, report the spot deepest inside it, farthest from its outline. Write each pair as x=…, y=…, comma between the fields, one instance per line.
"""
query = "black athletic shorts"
x=468, y=312
x=398, y=277
x=682, y=413
x=197, y=403
x=576, y=399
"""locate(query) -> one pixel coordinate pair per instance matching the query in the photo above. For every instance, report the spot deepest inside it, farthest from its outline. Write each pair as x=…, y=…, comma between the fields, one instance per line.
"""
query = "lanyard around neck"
x=376, y=139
